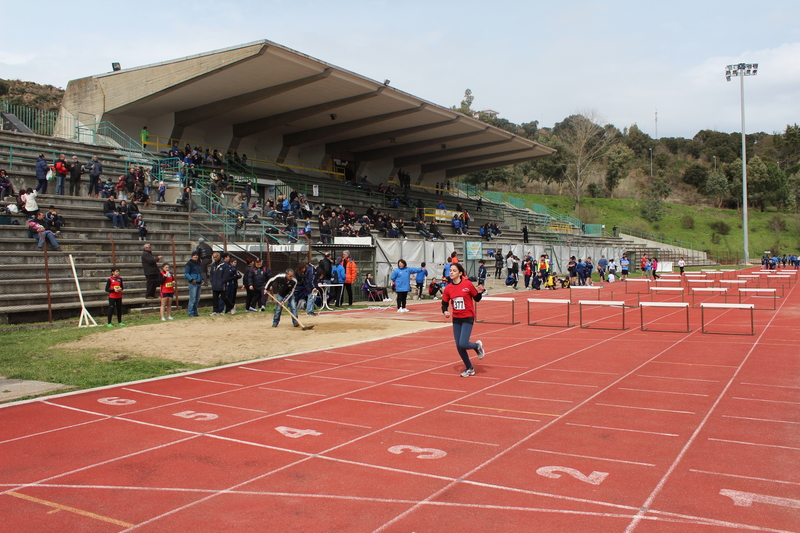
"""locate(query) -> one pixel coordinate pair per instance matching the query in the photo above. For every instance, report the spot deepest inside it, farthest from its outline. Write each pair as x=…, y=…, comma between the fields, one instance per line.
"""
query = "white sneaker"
x=480, y=350
x=435, y=297
x=399, y=309
x=214, y=314
x=169, y=318
x=468, y=372
x=405, y=310
x=233, y=311
x=163, y=319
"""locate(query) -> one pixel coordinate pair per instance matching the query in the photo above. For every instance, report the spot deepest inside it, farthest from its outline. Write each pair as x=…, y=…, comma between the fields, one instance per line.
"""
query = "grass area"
x=770, y=230
x=33, y=355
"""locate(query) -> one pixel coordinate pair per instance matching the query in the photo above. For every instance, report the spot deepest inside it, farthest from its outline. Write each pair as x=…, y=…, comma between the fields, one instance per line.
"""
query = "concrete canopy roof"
x=262, y=94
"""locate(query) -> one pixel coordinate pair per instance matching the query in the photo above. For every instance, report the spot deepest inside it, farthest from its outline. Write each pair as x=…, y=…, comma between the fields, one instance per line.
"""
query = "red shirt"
x=113, y=284
x=461, y=294
x=167, y=283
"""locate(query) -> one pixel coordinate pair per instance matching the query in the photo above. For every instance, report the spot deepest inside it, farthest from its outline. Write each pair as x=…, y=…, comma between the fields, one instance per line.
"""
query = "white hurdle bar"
x=496, y=299
x=699, y=281
x=673, y=290
x=579, y=288
x=683, y=305
x=634, y=280
x=547, y=301
x=704, y=306
x=779, y=278
x=723, y=290
x=607, y=303
x=755, y=292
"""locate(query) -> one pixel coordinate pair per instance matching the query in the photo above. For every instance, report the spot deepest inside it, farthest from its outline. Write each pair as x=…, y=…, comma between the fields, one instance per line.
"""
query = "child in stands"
x=167, y=291
x=114, y=289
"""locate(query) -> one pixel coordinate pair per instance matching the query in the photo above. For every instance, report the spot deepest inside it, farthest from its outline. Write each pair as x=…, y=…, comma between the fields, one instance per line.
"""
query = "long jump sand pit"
x=228, y=339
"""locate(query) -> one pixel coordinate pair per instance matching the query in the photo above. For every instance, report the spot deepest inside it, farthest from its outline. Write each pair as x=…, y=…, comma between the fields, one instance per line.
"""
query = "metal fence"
x=40, y=121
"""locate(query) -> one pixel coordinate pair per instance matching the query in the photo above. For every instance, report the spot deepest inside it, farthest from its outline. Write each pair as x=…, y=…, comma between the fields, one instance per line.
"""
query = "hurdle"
x=683, y=305
x=607, y=303
x=723, y=290
x=779, y=278
x=699, y=281
x=496, y=299
x=673, y=290
x=750, y=278
x=547, y=301
x=634, y=280
x=668, y=275
x=755, y=292
x=694, y=274
x=579, y=288
x=732, y=282
x=668, y=281
x=704, y=306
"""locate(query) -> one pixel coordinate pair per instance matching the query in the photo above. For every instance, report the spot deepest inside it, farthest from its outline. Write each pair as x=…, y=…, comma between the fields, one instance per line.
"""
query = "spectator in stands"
x=30, y=207
x=525, y=234
x=37, y=230
x=95, y=168
x=441, y=205
x=194, y=275
x=140, y=225
x=435, y=231
x=133, y=210
x=479, y=207
x=61, y=168
x=152, y=273
x=119, y=189
x=351, y=273
x=42, y=168
x=122, y=209
x=162, y=190
x=106, y=188
x=75, y=172
x=420, y=209
x=145, y=135
x=422, y=229
x=53, y=221
x=457, y=225
x=113, y=214
x=6, y=188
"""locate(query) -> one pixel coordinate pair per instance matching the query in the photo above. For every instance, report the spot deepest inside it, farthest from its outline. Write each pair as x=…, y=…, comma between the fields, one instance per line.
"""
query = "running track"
x=561, y=430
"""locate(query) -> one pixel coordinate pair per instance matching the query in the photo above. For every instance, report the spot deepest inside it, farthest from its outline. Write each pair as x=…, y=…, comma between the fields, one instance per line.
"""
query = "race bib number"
x=169, y=284
x=458, y=304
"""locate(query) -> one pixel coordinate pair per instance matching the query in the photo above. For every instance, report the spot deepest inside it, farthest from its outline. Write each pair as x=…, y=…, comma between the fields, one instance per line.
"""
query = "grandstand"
x=374, y=145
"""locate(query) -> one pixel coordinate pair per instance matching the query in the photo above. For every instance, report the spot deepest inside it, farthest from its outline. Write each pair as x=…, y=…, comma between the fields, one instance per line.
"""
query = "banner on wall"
x=474, y=250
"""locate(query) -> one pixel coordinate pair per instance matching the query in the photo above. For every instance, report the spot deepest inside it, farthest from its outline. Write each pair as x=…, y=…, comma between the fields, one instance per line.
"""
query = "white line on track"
x=492, y=416
x=343, y=379
x=745, y=477
x=329, y=421
x=314, y=362
x=646, y=408
x=763, y=400
x=558, y=383
x=455, y=375
x=755, y=444
x=385, y=403
x=349, y=353
x=591, y=457
x=760, y=419
x=680, y=379
x=103, y=417
x=623, y=429
x=267, y=371
x=429, y=388
x=295, y=392
x=233, y=407
x=664, y=392
x=152, y=394
x=528, y=398
x=446, y=438
x=218, y=382
x=382, y=368
x=581, y=371
x=765, y=385
x=492, y=365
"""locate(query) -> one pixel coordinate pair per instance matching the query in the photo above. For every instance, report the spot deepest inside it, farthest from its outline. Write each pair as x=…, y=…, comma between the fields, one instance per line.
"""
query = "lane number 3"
x=422, y=453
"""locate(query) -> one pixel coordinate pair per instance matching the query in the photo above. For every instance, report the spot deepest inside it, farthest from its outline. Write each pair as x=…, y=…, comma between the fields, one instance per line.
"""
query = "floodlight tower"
x=741, y=70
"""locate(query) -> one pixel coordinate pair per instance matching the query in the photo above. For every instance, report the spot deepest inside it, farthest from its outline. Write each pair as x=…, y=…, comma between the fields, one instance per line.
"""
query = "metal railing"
x=40, y=121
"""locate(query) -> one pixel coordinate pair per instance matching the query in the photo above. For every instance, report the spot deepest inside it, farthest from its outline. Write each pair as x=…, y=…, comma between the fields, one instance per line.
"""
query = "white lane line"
x=760, y=419
x=506, y=366
x=315, y=362
x=446, y=438
x=382, y=368
x=591, y=457
x=329, y=421
x=218, y=382
x=558, y=383
x=233, y=407
x=430, y=388
x=528, y=398
x=745, y=477
x=679, y=379
x=492, y=416
x=267, y=371
x=581, y=371
x=423, y=360
x=457, y=375
x=765, y=385
x=349, y=353
x=755, y=444
x=152, y=394
x=664, y=392
x=762, y=400
x=385, y=403
x=646, y=408
x=343, y=379
x=295, y=392
x=623, y=429
x=103, y=417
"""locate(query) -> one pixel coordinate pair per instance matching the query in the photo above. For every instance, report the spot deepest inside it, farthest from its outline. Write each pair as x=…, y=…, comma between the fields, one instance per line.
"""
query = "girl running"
x=167, y=291
x=457, y=301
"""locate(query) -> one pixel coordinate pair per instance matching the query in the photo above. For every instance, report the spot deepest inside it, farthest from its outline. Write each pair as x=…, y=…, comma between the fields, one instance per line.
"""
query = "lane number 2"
x=294, y=433
x=595, y=478
x=422, y=453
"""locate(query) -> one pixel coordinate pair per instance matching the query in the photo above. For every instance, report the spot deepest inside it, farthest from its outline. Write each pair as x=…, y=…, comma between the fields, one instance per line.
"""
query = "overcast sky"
x=529, y=60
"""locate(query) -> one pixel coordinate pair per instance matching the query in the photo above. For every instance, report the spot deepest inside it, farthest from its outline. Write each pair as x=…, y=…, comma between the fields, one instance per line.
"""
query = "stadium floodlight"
x=741, y=70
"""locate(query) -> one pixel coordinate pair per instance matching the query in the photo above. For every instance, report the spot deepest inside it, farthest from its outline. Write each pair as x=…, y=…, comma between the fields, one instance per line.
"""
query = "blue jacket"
x=221, y=274
x=41, y=168
x=193, y=271
x=423, y=273
x=402, y=278
x=338, y=274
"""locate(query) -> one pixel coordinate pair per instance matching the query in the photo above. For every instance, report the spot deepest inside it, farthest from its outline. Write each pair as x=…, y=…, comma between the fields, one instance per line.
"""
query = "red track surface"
x=560, y=430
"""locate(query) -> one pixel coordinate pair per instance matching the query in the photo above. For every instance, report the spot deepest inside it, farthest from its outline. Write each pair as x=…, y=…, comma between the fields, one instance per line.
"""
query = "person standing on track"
x=422, y=275
x=624, y=265
x=401, y=276
x=458, y=301
x=351, y=273
x=681, y=265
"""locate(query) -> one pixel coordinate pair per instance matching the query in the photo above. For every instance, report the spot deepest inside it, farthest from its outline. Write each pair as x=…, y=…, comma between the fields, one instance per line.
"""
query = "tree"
x=585, y=142
x=757, y=181
x=695, y=174
x=717, y=187
x=793, y=191
x=618, y=157
x=466, y=104
x=3, y=87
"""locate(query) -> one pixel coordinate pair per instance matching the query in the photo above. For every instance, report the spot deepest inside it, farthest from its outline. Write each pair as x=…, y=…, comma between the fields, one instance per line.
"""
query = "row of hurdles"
x=734, y=286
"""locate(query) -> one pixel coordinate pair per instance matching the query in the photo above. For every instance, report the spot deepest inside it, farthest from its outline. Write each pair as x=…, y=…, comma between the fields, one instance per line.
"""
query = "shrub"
x=597, y=191
x=652, y=209
x=688, y=222
x=716, y=238
x=720, y=227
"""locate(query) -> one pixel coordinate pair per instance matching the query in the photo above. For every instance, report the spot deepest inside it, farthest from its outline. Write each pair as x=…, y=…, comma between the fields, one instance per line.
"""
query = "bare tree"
x=585, y=139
